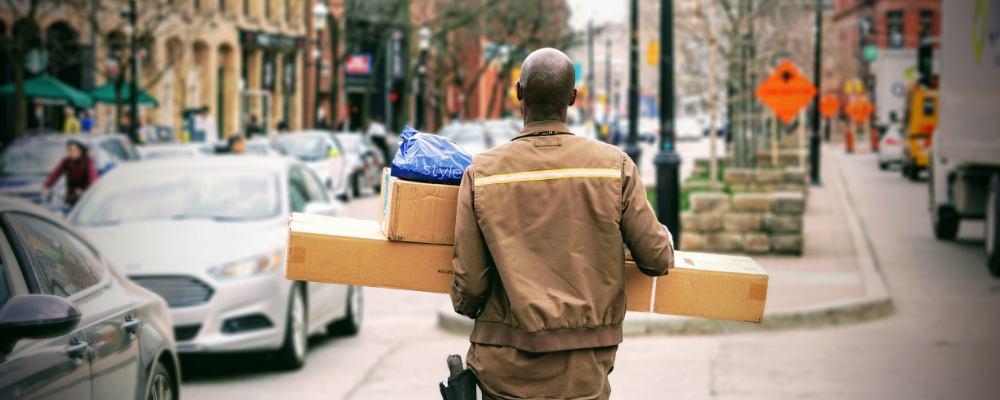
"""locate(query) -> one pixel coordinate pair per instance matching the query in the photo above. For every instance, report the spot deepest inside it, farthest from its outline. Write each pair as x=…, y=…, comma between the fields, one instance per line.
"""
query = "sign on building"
x=358, y=64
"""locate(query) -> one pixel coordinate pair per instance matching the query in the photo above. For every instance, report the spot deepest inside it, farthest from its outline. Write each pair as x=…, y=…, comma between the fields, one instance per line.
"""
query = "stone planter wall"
x=762, y=215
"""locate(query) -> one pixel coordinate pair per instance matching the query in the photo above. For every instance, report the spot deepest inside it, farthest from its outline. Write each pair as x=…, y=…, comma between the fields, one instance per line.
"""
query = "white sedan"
x=210, y=234
x=890, y=146
x=322, y=153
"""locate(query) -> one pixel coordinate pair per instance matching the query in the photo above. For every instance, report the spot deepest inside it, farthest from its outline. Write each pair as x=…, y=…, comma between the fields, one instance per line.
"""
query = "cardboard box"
x=355, y=252
x=712, y=286
x=417, y=212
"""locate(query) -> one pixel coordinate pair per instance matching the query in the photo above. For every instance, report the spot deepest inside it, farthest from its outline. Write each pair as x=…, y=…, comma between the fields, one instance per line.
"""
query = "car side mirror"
x=321, y=208
x=35, y=316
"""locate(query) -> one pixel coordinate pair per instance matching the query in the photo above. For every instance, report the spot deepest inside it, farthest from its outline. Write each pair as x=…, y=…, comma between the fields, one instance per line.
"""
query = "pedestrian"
x=70, y=123
x=147, y=130
x=282, y=126
x=86, y=121
x=254, y=127
x=539, y=255
x=208, y=125
x=376, y=132
x=236, y=144
x=78, y=169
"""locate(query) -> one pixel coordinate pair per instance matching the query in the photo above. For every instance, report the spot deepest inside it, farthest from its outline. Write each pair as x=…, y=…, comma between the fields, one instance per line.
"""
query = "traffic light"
x=925, y=65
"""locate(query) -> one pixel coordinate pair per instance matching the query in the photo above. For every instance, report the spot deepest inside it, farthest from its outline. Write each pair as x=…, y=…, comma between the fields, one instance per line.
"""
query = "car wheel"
x=161, y=386
x=292, y=354
x=946, y=222
x=350, y=325
x=883, y=165
x=992, y=226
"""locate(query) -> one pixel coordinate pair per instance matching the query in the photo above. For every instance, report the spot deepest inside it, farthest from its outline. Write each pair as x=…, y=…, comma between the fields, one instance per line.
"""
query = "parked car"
x=479, y=136
x=365, y=167
x=210, y=235
x=71, y=325
x=263, y=147
x=172, y=150
x=688, y=128
x=26, y=163
x=890, y=146
x=322, y=153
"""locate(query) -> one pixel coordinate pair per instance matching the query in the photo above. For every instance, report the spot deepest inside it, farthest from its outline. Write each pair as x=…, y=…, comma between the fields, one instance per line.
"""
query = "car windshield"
x=169, y=152
x=32, y=158
x=221, y=195
x=304, y=147
x=464, y=134
x=351, y=143
x=261, y=149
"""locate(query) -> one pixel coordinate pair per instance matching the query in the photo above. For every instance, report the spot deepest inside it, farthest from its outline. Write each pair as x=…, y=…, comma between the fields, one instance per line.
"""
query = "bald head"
x=545, y=88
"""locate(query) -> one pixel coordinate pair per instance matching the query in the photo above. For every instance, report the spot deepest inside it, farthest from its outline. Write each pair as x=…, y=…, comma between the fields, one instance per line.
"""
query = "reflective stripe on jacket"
x=540, y=228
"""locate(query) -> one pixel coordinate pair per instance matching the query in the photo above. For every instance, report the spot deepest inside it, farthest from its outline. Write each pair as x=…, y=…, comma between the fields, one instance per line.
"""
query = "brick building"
x=885, y=24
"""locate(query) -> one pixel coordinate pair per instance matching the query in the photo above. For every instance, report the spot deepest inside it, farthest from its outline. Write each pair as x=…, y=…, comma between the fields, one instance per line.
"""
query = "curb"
x=875, y=304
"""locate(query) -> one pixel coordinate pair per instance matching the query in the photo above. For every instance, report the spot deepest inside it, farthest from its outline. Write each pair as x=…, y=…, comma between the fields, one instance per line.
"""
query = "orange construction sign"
x=786, y=91
x=860, y=109
x=829, y=105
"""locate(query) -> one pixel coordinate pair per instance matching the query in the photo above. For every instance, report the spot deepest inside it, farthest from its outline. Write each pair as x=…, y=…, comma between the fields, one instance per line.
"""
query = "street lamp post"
x=424, y=44
x=667, y=161
x=814, y=139
x=133, y=129
x=320, y=12
x=632, y=142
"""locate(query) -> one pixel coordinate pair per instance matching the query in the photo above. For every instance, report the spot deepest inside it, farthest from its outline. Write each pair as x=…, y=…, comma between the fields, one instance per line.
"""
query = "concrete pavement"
x=939, y=344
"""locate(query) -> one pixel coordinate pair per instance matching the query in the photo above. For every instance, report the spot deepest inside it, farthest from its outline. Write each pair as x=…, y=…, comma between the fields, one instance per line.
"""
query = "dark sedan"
x=72, y=326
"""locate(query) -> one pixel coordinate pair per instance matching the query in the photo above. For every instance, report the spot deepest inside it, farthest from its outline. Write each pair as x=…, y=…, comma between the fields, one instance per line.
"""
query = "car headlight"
x=248, y=267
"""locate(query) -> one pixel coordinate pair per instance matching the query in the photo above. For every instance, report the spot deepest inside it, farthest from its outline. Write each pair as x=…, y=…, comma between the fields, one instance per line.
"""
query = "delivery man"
x=542, y=225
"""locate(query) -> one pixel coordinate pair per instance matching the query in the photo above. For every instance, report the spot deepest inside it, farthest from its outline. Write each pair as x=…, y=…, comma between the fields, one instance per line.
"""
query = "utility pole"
x=632, y=142
x=133, y=129
x=590, y=69
x=814, y=148
x=667, y=161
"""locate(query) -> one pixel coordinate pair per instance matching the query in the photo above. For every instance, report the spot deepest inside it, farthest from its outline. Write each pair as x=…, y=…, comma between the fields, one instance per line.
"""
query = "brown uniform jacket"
x=539, y=234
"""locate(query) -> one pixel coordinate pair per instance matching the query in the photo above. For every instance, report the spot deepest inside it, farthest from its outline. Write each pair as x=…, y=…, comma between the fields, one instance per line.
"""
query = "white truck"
x=965, y=167
x=891, y=82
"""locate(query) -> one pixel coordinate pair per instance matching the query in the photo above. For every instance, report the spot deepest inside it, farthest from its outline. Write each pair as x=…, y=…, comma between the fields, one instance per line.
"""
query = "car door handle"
x=76, y=349
x=130, y=325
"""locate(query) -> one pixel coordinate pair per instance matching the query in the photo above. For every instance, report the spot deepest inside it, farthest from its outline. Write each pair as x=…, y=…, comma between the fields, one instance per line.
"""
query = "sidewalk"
x=835, y=282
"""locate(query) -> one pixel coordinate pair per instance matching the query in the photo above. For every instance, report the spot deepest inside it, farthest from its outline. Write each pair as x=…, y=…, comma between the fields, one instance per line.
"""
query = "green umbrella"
x=46, y=87
x=106, y=94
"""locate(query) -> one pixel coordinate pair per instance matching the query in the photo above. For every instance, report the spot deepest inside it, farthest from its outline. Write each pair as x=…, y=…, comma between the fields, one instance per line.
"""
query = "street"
x=938, y=344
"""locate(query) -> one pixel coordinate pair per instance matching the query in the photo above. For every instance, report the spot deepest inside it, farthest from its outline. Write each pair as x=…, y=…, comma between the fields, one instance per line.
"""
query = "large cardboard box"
x=417, y=212
x=712, y=286
x=355, y=252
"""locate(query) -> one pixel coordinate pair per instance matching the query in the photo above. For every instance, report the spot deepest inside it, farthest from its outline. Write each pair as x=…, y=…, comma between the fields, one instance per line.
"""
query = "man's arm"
x=472, y=263
x=650, y=242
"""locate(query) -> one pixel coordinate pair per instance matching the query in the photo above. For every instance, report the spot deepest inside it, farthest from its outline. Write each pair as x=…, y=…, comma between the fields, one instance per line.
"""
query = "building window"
x=222, y=5
x=288, y=11
x=246, y=7
x=267, y=9
x=894, y=29
x=196, y=4
x=926, y=23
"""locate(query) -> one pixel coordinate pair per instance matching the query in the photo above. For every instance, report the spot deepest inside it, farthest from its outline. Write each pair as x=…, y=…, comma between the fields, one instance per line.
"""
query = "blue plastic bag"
x=429, y=158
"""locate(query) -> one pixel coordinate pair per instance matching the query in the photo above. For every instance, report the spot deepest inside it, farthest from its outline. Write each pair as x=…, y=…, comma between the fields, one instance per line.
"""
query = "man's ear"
x=572, y=97
x=519, y=90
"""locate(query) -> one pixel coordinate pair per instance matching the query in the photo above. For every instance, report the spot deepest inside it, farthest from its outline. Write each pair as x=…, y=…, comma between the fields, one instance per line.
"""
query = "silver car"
x=210, y=235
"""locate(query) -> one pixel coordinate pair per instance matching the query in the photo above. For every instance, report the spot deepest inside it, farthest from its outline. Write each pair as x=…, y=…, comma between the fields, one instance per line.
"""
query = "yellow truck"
x=920, y=121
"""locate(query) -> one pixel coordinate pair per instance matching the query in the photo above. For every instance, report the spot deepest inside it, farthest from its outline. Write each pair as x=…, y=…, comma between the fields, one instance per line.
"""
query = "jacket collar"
x=543, y=126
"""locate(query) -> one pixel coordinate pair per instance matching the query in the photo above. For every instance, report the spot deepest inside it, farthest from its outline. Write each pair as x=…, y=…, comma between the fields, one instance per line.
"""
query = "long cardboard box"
x=417, y=212
x=355, y=252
